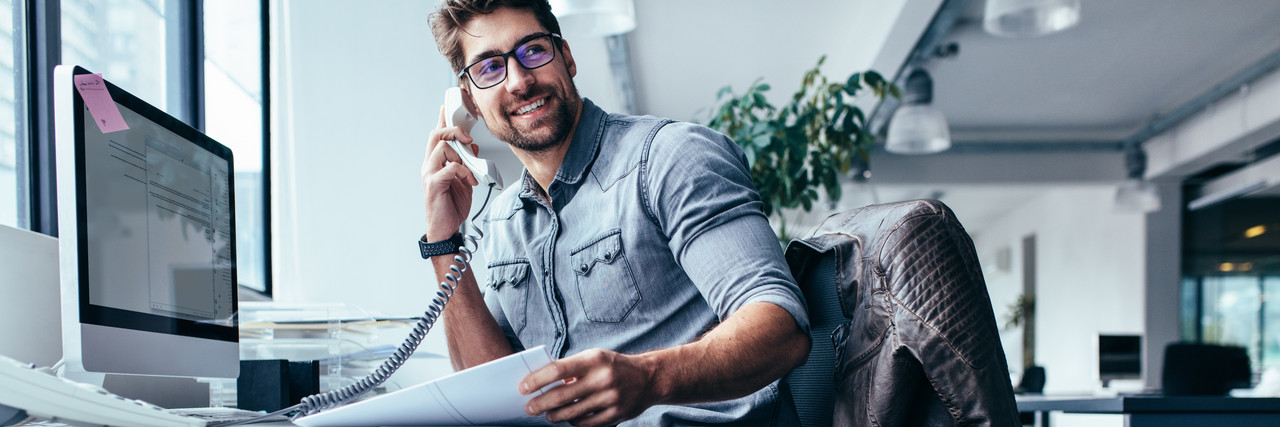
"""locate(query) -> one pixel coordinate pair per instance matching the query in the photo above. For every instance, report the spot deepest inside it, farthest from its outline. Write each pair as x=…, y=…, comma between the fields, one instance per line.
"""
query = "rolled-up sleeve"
x=699, y=192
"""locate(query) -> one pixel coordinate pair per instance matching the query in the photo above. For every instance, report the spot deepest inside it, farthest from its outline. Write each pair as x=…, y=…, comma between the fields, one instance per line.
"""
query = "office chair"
x=915, y=340
x=1032, y=380
x=1193, y=369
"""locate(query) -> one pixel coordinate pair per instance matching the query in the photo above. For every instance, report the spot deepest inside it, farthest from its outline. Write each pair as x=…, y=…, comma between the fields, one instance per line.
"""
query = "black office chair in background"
x=1194, y=369
x=902, y=326
x=1032, y=380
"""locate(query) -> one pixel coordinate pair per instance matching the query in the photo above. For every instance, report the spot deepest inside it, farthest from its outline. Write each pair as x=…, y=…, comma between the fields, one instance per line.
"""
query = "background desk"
x=1164, y=411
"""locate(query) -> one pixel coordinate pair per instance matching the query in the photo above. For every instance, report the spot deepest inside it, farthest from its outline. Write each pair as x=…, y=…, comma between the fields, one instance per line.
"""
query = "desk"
x=1157, y=410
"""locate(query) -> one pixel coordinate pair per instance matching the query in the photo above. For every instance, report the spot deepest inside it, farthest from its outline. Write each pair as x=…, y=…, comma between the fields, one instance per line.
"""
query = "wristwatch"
x=443, y=247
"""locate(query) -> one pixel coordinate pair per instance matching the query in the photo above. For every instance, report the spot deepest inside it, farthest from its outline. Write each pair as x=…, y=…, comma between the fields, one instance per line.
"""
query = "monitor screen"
x=147, y=239
x=1119, y=357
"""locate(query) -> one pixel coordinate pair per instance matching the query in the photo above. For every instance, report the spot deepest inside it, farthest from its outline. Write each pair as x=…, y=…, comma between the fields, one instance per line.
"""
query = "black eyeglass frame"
x=555, y=39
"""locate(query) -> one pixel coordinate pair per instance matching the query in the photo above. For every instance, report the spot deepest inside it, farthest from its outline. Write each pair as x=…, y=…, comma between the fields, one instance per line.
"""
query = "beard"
x=547, y=132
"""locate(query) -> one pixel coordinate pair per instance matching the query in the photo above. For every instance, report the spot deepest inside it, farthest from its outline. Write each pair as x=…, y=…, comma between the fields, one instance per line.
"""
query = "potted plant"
x=795, y=149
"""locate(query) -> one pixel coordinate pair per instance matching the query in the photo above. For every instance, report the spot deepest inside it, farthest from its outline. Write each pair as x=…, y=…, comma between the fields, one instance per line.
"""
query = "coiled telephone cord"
x=335, y=398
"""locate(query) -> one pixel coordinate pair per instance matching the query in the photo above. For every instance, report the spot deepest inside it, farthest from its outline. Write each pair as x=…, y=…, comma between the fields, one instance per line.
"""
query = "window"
x=122, y=39
x=140, y=45
x=234, y=116
x=12, y=107
x=1231, y=284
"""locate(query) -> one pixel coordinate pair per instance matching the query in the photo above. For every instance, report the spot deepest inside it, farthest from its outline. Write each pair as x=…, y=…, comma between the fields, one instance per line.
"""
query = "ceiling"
x=1126, y=63
x=1106, y=78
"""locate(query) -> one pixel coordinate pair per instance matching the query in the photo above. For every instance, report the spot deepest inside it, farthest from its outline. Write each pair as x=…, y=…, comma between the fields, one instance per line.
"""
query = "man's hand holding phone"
x=446, y=181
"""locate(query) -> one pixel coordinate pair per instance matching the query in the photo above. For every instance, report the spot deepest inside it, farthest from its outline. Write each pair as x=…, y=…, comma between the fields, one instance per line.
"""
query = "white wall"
x=356, y=89
x=352, y=89
x=1089, y=276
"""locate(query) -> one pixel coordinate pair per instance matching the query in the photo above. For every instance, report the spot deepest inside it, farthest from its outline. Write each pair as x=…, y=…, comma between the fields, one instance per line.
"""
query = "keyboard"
x=44, y=396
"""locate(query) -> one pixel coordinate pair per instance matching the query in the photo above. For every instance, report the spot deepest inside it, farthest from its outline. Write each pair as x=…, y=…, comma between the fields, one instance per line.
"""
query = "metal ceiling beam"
x=1219, y=91
x=1022, y=147
x=946, y=17
x=950, y=12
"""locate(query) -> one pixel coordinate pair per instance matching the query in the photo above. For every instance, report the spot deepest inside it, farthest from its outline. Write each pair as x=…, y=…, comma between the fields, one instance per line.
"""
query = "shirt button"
x=558, y=333
x=583, y=268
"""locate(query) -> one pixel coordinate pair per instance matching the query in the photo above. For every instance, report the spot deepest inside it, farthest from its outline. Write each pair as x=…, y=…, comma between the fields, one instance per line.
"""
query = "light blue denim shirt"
x=653, y=235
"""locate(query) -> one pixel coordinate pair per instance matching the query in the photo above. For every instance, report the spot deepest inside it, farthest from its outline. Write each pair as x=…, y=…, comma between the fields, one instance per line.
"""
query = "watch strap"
x=443, y=247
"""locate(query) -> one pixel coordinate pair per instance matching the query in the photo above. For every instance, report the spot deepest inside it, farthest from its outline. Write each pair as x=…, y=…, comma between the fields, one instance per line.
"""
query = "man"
x=635, y=249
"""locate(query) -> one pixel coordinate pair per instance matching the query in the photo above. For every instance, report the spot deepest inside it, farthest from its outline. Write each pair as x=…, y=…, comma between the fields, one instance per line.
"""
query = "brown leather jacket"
x=922, y=347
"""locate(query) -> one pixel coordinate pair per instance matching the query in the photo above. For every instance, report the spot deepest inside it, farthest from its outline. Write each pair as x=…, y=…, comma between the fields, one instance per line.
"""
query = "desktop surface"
x=1147, y=403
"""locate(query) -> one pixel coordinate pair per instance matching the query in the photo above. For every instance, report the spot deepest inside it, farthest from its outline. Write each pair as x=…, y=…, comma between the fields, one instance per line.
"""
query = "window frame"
x=37, y=190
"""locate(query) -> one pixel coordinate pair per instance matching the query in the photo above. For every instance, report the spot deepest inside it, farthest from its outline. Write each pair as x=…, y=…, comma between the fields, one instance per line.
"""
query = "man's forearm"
x=473, y=336
x=753, y=347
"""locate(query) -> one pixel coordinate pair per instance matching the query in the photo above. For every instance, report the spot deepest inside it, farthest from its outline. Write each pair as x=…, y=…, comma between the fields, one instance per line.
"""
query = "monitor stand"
x=165, y=392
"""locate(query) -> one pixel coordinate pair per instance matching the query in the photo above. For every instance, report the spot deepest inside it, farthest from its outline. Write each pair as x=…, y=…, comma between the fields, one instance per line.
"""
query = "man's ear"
x=467, y=101
x=569, y=65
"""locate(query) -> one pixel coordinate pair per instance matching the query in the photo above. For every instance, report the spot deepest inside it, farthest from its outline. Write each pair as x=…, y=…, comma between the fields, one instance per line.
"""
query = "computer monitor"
x=1119, y=357
x=146, y=238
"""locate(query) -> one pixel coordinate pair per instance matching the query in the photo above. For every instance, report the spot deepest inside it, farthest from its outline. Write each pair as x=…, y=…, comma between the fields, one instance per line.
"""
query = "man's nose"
x=518, y=78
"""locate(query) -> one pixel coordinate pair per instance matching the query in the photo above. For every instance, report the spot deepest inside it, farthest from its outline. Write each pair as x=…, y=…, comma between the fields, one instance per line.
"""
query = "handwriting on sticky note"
x=103, y=109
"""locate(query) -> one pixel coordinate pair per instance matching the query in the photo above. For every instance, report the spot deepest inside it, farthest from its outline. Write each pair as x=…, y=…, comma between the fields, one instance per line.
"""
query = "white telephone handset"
x=456, y=114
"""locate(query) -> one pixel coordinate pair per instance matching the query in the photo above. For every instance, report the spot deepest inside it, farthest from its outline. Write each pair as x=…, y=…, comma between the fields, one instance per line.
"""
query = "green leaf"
x=763, y=87
x=834, y=192
x=853, y=84
x=873, y=78
x=727, y=90
x=761, y=142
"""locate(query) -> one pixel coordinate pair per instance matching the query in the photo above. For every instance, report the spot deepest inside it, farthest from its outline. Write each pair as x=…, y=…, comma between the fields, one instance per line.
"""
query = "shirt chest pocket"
x=605, y=285
x=510, y=280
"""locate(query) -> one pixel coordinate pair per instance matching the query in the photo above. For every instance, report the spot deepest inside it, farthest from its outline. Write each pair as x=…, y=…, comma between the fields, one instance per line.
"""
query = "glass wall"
x=233, y=116
x=1231, y=286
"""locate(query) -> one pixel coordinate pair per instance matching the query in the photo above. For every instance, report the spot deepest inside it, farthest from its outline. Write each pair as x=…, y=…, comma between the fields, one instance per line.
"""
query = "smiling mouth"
x=531, y=107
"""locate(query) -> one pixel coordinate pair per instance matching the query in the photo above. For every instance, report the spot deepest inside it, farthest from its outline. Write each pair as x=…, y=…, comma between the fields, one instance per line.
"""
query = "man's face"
x=533, y=110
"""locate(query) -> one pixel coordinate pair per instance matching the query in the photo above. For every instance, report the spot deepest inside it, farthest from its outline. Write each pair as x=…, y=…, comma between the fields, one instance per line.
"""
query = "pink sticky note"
x=101, y=106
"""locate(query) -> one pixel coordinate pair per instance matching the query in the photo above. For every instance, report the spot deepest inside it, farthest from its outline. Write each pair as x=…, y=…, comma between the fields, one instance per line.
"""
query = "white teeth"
x=531, y=107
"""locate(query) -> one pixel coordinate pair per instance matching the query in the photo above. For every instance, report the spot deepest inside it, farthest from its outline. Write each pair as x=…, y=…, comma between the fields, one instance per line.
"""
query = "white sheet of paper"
x=482, y=395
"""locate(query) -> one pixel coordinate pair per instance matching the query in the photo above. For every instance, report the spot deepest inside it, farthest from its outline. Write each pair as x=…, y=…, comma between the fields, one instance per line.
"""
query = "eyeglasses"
x=489, y=71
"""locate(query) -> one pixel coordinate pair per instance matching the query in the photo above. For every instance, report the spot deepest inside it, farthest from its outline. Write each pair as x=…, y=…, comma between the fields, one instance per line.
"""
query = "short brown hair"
x=448, y=20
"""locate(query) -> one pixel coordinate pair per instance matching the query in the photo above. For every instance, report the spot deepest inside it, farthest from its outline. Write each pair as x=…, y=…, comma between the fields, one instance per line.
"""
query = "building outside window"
x=124, y=40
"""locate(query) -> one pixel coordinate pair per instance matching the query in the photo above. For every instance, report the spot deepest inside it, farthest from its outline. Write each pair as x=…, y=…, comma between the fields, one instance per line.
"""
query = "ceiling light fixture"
x=594, y=18
x=917, y=127
x=1136, y=194
x=1030, y=18
x=1255, y=231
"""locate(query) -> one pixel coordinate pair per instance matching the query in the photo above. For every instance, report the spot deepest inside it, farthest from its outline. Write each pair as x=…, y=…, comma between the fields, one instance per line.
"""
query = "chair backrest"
x=918, y=342
x=812, y=385
x=1204, y=369
x=1032, y=380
